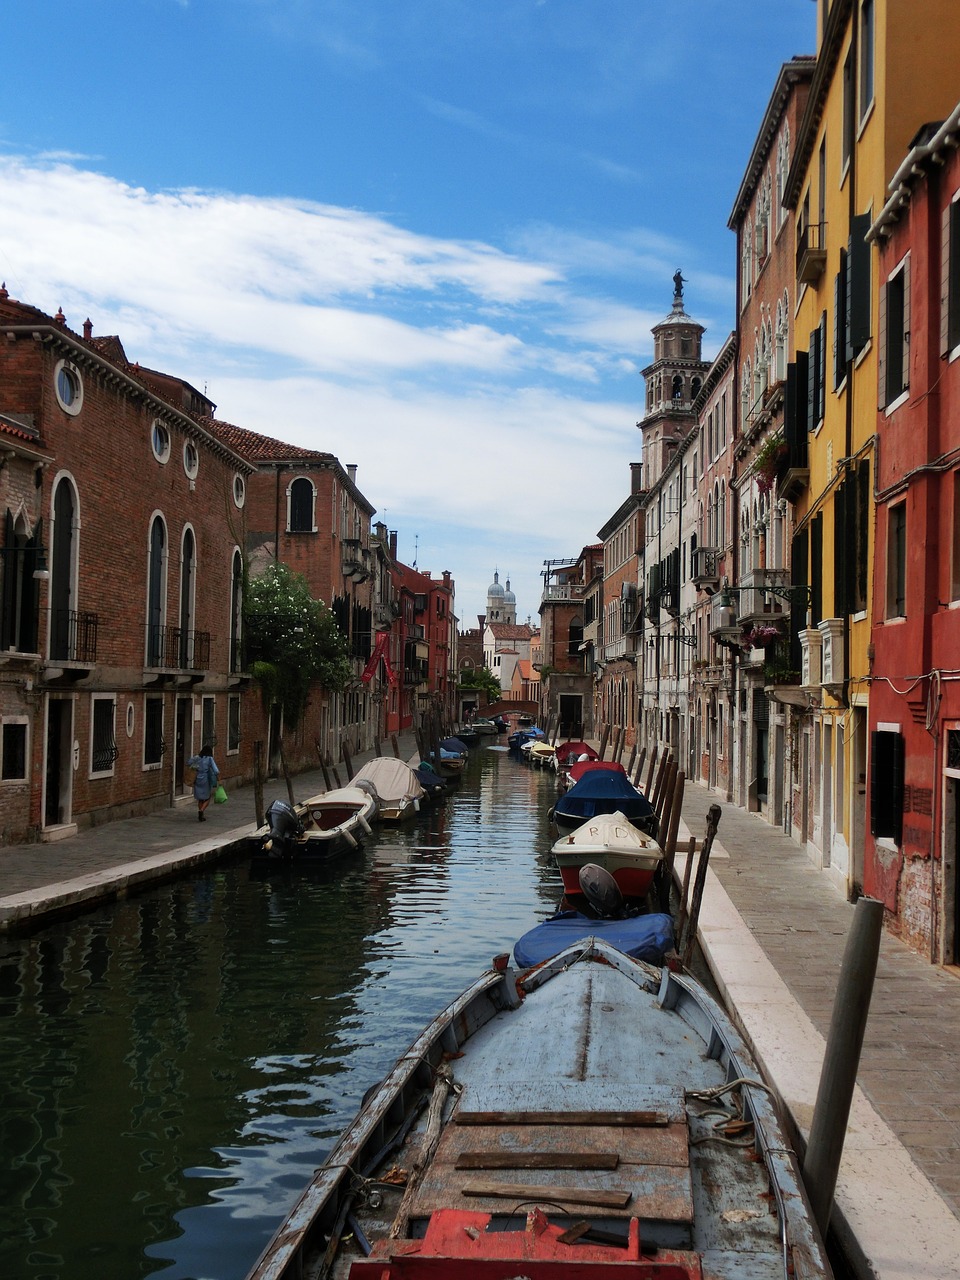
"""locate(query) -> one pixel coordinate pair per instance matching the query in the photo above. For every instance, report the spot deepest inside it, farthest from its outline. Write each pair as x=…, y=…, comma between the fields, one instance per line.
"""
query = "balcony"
x=755, y=601
x=178, y=650
x=560, y=592
x=73, y=644
x=706, y=568
x=355, y=561
x=811, y=254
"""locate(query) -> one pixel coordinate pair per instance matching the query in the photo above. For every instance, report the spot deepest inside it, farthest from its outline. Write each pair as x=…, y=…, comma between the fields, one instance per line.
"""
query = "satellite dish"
x=601, y=891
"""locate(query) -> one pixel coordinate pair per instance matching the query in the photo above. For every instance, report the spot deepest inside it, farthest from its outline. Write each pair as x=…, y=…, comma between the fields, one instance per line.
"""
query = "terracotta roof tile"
x=257, y=448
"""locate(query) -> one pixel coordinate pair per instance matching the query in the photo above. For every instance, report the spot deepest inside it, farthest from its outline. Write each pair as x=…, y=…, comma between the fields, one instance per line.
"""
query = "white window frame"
x=96, y=698
x=72, y=372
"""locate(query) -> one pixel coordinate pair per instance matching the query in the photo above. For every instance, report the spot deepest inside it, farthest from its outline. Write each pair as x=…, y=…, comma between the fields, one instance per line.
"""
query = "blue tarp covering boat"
x=604, y=791
x=647, y=937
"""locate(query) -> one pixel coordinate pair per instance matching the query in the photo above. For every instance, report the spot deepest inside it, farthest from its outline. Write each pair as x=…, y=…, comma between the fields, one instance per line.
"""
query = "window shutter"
x=882, y=352
x=862, y=534
x=906, y=323
x=813, y=363
x=841, y=549
x=838, y=356
x=816, y=567
x=886, y=784
x=953, y=277
x=798, y=578
x=945, y=226
x=822, y=375
x=858, y=286
x=9, y=615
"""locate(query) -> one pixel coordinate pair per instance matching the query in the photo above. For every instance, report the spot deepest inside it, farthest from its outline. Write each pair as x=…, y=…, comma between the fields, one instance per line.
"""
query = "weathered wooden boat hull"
x=594, y=1118
x=612, y=842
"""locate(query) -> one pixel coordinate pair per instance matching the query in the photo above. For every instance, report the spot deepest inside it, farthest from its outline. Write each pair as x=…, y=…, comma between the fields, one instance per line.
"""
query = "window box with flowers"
x=769, y=458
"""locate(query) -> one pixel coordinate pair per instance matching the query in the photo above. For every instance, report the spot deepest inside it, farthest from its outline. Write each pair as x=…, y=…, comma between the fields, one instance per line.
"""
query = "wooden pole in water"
x=348, y=763
x=838, y=1075
x=286, y=771
x=604, y=736
x=670, y=844
x=258, y=783
x=639, y=773
x=632, y=761
x=395, y=744
x=653, y=761
x=685, y=889
x=713, y=821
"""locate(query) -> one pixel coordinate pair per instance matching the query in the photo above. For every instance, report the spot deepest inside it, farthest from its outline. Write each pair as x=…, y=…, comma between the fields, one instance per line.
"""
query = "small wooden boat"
x=541, y=754
x=484, y=726
x=394, y=784
x=603, y=789
x=596, y=1118
x=613, y=843
x=320, y=827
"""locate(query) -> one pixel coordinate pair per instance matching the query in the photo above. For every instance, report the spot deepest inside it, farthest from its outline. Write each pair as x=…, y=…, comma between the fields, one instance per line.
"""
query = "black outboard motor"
x=285, y=829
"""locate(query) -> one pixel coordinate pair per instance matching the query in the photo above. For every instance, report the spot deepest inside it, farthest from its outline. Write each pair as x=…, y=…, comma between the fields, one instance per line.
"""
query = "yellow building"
x=884, y=69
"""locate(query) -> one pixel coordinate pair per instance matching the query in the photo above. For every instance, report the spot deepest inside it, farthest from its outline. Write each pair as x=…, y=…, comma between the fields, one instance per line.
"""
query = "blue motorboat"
x=604, y=790
x=645, y=937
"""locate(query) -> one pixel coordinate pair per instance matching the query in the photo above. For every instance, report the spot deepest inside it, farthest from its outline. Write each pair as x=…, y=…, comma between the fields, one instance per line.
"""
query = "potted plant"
x=767, y=462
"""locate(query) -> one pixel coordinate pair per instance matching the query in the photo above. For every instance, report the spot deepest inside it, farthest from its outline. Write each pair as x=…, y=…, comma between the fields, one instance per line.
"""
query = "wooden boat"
x=395, y=785
x=541, y=754
x=593, y=1119
x=320, y=827
x=613, y=843
x=602, y=789
x=484, y=726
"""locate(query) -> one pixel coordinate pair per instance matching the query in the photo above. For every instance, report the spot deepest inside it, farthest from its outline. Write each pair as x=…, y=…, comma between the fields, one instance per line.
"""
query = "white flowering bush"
x=292, y=640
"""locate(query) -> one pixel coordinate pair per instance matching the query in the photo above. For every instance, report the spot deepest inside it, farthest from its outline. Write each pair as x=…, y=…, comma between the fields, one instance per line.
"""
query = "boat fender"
x=550, y=814
x=364, y=823
x=350, y=839
x=416, y=805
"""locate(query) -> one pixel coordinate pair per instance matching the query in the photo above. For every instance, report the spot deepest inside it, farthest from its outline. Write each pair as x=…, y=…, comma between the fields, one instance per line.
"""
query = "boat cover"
x=456, y=745
x=603, y=791
x=393, y=780
x=647, y=937
x=580, y=767
x=571, y=751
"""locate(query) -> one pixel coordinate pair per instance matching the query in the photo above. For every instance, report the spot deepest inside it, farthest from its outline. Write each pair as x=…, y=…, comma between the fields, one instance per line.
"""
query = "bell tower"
x=673, y=383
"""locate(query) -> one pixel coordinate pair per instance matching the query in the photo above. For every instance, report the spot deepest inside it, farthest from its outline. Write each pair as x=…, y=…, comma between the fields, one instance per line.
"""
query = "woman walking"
x=205, y=783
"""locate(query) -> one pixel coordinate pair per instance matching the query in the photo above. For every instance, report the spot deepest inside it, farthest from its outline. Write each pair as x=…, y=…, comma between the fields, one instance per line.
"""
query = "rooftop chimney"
x=352, y=472
x=636, y=472
x=88, y=329
x=393, y=543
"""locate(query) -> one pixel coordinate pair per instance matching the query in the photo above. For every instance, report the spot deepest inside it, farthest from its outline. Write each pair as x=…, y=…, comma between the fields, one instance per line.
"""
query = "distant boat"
x=327, y=824
x=600, y=789
x=395, y=785
x=613, y=843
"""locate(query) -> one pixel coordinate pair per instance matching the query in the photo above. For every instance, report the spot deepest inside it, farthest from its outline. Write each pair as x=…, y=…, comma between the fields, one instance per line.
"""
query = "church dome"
x=508, y=596
x=495, y=590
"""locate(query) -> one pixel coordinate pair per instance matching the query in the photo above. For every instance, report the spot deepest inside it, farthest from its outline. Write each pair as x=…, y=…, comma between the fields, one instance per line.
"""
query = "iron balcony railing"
x=178, y=648
x=73, y=636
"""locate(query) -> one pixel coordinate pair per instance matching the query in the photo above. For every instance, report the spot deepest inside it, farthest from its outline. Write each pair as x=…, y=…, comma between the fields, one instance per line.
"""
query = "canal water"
x=174, y=1067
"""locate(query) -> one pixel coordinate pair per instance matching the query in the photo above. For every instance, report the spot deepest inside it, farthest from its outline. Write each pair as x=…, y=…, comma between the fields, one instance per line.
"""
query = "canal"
x=175, y=1066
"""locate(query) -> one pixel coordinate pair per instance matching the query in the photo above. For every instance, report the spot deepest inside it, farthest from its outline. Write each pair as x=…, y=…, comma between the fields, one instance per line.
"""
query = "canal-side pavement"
x=773, y=931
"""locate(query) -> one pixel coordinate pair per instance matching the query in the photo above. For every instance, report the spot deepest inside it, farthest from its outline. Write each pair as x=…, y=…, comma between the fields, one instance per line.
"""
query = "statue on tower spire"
x=678, y=283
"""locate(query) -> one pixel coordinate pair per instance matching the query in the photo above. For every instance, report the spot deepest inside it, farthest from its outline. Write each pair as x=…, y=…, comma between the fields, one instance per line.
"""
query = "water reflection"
x=176, y=1065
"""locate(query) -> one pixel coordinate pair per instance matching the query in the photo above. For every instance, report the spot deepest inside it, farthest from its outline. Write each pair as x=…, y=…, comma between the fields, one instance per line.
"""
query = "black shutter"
x=11, y=561
x=813, y=393
x=798, y=612
x=862, y=534
x=841, y=550
x=886, y=785
x=858, y=286
x=816, y=567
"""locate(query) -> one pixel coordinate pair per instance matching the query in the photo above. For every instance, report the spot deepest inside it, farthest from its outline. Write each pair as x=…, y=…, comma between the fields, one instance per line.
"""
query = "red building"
x=123, y=526
x=912, y=859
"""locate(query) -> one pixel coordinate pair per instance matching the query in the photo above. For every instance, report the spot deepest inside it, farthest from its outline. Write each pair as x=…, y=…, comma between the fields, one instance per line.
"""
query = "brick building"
x=124, y=523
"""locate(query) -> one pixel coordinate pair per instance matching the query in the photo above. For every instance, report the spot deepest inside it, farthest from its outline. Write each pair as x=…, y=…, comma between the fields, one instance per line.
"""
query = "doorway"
x=58, y=773
x=571, y=715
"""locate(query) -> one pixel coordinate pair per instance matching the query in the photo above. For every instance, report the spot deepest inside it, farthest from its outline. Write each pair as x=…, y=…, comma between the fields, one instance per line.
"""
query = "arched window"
x=745, y=392
x=63, y=570
x=236, y=612
x=301, y=496
x=19, y=609
x=188, y=565
x=695, y=388
x=677, y=392
x=157, y=594
x=783, y=168
x=722, y=515
x=575, y=637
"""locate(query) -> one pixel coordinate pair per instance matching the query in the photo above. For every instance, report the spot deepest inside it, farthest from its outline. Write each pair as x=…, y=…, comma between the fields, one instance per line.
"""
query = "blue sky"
x=430, y=236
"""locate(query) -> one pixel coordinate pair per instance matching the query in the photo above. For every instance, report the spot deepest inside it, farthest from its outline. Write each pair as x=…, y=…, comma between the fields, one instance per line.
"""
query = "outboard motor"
x=285, y=829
